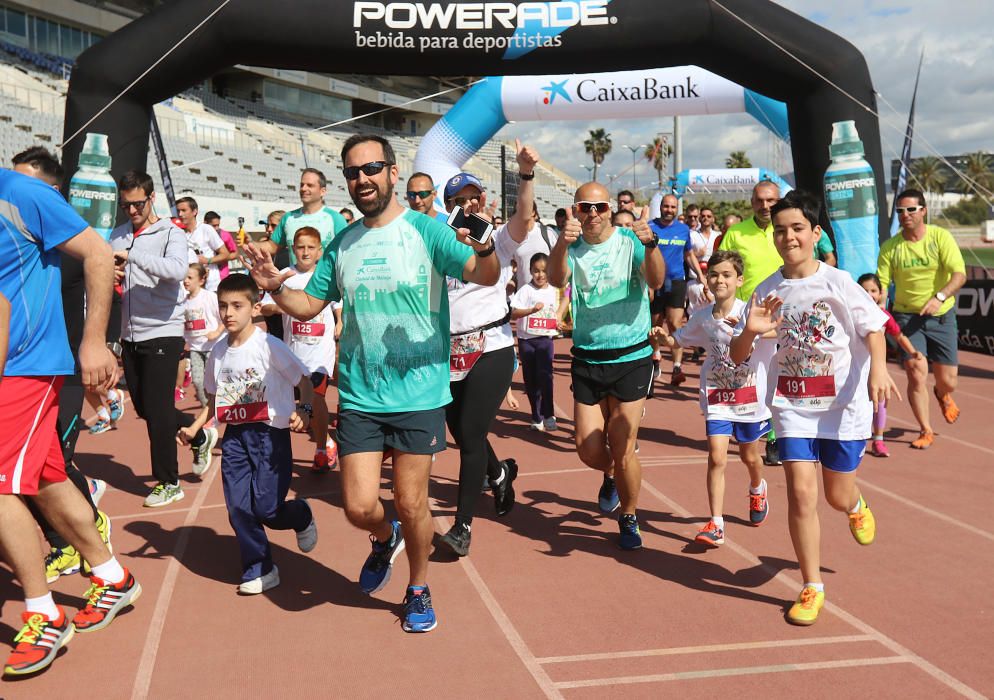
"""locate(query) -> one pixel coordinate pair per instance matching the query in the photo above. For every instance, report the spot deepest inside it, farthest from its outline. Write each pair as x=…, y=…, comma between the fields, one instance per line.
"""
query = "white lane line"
x=707, y=649
x=146, y=666
x=646, y=462
x=792, y=585
x=741, y=671
x=517, y=643
x=972, y=529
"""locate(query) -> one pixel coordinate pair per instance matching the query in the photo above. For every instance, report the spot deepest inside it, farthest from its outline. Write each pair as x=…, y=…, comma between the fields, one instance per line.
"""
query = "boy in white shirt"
x=830, y=350
x=250, y=380
x=201, y=325
x=733, y=396
x=313, y=342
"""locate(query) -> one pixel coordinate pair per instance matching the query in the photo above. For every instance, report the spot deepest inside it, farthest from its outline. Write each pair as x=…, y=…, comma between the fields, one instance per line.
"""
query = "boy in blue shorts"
x=733, y=397
x=249, y=380
x=830, y=350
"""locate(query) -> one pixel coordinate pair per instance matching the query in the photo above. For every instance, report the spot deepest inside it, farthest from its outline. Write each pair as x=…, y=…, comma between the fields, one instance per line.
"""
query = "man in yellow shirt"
x=927, y=269
x=753, y=240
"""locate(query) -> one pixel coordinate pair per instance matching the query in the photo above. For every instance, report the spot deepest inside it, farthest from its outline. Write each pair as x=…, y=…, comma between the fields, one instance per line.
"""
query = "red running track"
x=546, y=605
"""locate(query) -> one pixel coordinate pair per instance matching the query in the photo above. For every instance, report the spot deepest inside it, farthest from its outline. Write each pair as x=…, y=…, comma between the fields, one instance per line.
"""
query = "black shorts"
x=416, y=432
x=625, y=381
x=673, y=295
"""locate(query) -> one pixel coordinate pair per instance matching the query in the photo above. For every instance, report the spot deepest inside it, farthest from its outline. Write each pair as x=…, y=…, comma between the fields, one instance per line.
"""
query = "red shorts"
x=31, y=451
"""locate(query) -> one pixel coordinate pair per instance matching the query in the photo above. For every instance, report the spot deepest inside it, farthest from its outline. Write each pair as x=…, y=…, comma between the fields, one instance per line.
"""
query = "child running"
x=830, y=349
x=313, y=342
x=249, y=381
x=202, y=325
x=733, y=396
x=534, y=306
x=871, y=283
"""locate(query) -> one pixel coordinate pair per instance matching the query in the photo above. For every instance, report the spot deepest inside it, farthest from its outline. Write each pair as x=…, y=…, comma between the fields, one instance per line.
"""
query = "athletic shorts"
x=935, y=337
x=625, y=381
x=743, y=433
x=30, y=452
x=673, y=295
x=319, y=380
x=416, y=432
x=836, y=455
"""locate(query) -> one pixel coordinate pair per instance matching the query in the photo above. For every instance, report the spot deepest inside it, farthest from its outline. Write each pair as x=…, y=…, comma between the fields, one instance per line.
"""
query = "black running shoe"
x=504, y=491
x=457, y=539
x=772, y=456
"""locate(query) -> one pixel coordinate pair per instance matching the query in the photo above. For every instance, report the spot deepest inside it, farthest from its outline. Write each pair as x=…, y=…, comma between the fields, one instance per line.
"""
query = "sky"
x=954, y=114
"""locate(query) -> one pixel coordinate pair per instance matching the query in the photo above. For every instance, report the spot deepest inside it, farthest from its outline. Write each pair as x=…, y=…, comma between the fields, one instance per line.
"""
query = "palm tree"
x=978, y=169
x=598, y=146
x=928, y=174
x=738, y=159
x=658, y=154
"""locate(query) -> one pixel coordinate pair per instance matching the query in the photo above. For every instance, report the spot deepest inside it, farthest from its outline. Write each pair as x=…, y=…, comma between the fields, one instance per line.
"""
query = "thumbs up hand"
x=526, y=156
x=641, y=227
x=572, y=230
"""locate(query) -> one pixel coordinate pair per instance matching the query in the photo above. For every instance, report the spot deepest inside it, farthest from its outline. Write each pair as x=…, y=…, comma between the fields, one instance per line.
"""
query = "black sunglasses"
x=587, y=207
x=140, y=204
x=369, y=169
x=461, y=201
x=419, y=194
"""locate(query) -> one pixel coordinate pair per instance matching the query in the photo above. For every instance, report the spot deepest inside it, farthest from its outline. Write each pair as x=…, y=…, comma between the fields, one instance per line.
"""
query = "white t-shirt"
x=533, y=243
x=728, y=391
x=254, y=382
x=709, y=242
x=204, y=240
x=472, y=306
x=312, y=342
x=200, y=317
x=817, y=383
x=543, y=323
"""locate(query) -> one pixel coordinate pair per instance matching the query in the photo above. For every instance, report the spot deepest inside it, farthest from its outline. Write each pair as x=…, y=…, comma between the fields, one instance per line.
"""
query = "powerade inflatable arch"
x=484, y=38
x=488, y=106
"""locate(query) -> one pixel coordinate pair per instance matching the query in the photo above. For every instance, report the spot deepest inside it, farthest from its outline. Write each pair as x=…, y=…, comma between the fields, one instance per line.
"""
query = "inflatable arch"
x=661, y=92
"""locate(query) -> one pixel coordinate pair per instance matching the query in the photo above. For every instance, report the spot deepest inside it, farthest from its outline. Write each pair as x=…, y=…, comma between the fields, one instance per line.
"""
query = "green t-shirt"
x=823, y=246
x=609, y=294
x=328, y=221
x=919, y=269
x=394, y=349
x=760, y=256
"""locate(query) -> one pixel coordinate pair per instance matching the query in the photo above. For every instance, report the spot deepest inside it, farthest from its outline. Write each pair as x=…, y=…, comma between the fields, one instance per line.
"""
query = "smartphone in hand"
x=480, y=230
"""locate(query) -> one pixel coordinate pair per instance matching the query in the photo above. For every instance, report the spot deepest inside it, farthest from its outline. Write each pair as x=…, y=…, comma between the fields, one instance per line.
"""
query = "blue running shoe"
x=376, y=571
x=607, y=497
x=101, y=426
x=116, y=407
x=631, y=537
x=419, y=616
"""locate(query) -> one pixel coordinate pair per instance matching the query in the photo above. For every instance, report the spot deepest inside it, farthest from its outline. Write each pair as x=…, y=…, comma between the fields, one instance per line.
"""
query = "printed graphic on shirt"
x=806, y=377
x=196, y=320
x=241, y=396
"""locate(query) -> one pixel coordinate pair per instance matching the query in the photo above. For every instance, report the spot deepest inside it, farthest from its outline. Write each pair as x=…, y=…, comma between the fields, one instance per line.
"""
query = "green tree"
x=658, y=153
x=598, y=146
x=978, y=169
x=969, y=211
x=928, y=174
x=738, y=159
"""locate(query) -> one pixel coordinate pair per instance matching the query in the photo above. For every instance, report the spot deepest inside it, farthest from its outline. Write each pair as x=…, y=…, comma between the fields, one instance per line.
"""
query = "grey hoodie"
x=152, y=303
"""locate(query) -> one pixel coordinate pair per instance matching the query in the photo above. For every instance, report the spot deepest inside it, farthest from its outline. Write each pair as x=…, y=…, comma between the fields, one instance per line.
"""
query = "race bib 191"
x=812, y=393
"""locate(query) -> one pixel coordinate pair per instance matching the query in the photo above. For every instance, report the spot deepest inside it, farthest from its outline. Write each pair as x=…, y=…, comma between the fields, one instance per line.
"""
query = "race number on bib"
x=732, y=402
x=307, y=330
x=541, y=325
x=464, y=351
x=244, y=412
x=196, y=324
x=812, y=393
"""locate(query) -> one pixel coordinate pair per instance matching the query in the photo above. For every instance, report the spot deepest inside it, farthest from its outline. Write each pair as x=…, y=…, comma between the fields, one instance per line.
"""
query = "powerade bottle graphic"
x=851, y=198
x=92, y=190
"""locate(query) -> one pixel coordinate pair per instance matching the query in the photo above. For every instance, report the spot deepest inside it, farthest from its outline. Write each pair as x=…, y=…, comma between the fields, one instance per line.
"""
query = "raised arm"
x=295, y=302
x=520, y=222
x=654, y=267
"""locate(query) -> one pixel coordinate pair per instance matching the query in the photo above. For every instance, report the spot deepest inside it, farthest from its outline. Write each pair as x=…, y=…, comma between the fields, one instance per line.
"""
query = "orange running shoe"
x=924, y=441
x=38, y=643
x=950, y=411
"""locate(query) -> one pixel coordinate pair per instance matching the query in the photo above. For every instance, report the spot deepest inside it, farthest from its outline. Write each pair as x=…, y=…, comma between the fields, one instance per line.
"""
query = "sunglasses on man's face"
x=461, y=201
x=908, y=210
x=351, y=172
x=139, y=205
x=588, y=207
x=420, y=194
x=626, y=201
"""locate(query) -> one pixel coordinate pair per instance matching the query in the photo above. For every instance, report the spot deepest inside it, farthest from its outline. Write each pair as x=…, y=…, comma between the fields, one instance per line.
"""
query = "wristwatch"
x=279, y=290
x=529, y=176
x=486, y=253
x=941, y=296
x=653, y=243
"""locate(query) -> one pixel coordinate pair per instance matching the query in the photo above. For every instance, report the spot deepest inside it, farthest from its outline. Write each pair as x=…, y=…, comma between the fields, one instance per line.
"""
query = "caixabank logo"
x=516, y=28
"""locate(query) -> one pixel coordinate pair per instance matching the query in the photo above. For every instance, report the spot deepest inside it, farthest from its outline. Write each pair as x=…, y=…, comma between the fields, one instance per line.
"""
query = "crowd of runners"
x=418, y=328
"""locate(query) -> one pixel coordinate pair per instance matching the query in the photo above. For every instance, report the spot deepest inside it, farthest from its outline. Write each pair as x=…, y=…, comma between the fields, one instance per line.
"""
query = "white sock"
x=859, y=503
x=102, y=413
x=719, y=521
x=820, y=587
x=44, y=605
x=761, y=489
x=110, y=571
x=112, y=395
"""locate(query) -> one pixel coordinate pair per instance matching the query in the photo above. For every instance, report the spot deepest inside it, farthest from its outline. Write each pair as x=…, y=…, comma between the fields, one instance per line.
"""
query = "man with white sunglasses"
x=611, y=270
x=927, y=269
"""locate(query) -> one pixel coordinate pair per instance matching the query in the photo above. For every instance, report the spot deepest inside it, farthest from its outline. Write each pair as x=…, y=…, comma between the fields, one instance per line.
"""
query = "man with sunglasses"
x=611, y=271
x=312, y=212
x=626, y=201
x=389, y=270
x=281, y=258
x=421, y=195
x=927, y=269
x=151, y=260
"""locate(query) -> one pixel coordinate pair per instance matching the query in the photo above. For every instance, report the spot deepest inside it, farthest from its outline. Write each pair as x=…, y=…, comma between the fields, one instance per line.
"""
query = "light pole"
x=634, y=150
x=590, y=169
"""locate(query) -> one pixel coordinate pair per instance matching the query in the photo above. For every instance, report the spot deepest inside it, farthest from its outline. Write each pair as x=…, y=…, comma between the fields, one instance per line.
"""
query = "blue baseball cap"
x=457, y=182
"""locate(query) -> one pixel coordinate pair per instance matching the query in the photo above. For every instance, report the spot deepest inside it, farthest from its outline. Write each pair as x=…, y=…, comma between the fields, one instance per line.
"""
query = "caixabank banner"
x=975, y=316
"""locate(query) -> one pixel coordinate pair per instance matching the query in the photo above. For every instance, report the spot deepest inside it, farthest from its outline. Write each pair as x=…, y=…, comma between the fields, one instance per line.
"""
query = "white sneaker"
x=261, y=584
x=550, y=424
x=307, y=539
x=202, y=456
x=540, y=426
x=98, y=487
